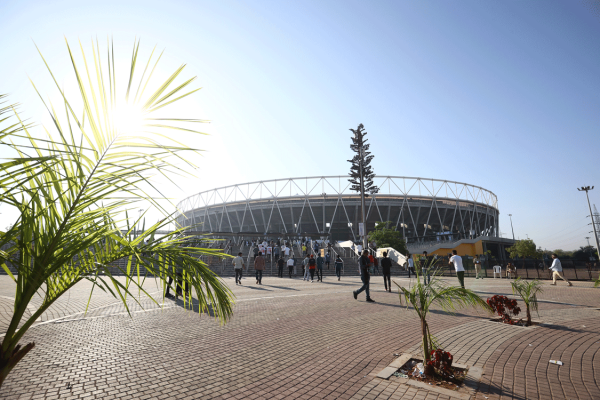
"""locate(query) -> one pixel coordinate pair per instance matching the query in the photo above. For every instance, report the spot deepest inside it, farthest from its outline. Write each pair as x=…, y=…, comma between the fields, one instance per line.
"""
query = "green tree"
x=422, y=297
x=524, y=248
x=384, y=236
x=528, y=291
x=584, y=253
x=562, y=253
x=75, y=188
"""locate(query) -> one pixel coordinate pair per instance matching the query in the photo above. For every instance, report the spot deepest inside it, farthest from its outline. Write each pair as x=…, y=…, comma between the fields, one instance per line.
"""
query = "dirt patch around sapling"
x=411, y=371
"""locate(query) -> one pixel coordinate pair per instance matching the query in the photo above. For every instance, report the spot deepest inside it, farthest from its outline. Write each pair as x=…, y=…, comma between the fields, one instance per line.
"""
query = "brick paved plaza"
x=292, y=339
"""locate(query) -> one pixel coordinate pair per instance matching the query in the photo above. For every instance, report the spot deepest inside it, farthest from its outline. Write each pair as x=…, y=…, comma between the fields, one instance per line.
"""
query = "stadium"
x=426, y=211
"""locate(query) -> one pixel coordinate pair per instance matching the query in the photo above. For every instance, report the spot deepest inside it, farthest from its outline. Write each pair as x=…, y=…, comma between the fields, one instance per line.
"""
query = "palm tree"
x=75, y=189
x=422, y=297
x=528, y=290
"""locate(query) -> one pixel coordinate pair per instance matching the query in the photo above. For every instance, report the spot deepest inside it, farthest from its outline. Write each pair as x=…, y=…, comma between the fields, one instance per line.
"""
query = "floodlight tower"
x=586, y=189
x=596, y=218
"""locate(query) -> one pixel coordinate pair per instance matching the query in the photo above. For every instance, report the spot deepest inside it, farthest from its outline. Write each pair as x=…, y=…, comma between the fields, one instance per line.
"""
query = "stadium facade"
x=424, y=210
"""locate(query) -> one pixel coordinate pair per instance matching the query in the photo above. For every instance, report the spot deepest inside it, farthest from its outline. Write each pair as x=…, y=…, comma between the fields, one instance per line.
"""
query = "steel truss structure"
x=423, y=209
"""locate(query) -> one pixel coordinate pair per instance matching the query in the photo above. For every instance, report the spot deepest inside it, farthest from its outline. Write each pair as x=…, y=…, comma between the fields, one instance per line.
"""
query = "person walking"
x=458, y=267
x=290, y=264
x=305, y=268
x=280, y=264
x=365, y=277
x=286, y=251
x=259, y=267
x=327, y=260
x=303, y=249
x=339, y=264
x=375, y=263
x=411, y=266
x=320, y=262
x=238, y=265
x=277, y=252
x=426, y=262
x=477, y=264
x=386, y=268
x=255, y=250
x=556, y=268
x=312, y=265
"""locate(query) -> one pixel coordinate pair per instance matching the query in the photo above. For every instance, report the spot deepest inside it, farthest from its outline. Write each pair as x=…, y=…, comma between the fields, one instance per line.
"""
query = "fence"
x=528, y=269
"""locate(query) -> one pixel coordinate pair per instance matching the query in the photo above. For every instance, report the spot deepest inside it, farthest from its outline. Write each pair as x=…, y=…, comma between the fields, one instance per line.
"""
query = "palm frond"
x=528, y=291
x=72, y=189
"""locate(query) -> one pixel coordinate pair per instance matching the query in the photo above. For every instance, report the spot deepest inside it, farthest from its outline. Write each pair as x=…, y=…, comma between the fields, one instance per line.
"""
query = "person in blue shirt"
x=339, y=264
x=327, y=260
x=320, y=262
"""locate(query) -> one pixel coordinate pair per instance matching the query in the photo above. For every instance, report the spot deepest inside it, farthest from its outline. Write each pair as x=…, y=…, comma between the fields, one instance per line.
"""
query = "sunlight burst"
x=128, y=119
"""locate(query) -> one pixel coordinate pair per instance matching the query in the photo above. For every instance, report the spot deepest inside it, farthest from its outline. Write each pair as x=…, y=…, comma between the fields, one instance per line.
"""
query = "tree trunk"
x=9, y=361
x=426, y=356
x=528, y=316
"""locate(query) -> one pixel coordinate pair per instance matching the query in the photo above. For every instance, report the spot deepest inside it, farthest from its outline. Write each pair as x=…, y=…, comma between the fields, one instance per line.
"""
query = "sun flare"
x=128, y=119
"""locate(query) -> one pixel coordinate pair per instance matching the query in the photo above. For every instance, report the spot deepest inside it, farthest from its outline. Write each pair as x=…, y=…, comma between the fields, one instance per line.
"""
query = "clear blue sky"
x=503, y=95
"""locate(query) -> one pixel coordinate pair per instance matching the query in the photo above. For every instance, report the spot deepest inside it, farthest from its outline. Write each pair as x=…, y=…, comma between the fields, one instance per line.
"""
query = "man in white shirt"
x=411, y=266
x=359, y=248
x=290, y=264
x=556, y=268
x=286, y=251
x=238, y=264
x=477, y=264
x=458, y=266
x=306, y=270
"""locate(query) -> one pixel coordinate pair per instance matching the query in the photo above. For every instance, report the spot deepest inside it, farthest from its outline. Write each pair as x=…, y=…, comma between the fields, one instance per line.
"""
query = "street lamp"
x=511, y=226
x=586, y=189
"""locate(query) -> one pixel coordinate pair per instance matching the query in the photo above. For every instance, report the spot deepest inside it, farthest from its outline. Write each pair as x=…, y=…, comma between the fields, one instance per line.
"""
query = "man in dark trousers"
x=255, y=250
x=364, y=276
x=280, y=264
x=426, y=266
x=386, y=268
x=320, y=262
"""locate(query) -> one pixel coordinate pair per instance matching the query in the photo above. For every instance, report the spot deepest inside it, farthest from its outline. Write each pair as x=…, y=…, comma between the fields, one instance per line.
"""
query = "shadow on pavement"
x=281, y=287
x=339, y=283
x=194, y=305
x=256, y=287
x=496, y=390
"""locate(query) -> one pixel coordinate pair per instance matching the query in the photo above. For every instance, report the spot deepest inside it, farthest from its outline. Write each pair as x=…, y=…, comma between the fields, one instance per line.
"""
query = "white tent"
x=394, y=255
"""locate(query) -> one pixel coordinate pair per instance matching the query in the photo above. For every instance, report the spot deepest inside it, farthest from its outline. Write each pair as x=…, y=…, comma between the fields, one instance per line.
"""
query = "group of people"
x=312, y=265
x=366, y=262
x=282, y=255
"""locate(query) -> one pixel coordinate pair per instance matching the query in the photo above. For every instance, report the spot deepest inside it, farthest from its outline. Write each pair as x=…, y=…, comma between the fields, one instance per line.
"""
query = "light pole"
x=511, y=226
x=586, y=189
x=138, y=222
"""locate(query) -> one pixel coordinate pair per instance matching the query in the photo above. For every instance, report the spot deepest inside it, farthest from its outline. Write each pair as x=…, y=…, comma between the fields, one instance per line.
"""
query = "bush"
x=506, y=308
x=441, y=361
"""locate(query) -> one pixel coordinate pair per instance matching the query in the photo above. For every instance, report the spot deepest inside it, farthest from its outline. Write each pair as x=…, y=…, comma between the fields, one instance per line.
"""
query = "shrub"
x=441, y=361
x=506, y=308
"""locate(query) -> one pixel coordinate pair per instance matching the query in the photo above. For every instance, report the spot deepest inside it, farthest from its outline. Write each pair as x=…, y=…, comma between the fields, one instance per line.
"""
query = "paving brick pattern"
x=293, y=339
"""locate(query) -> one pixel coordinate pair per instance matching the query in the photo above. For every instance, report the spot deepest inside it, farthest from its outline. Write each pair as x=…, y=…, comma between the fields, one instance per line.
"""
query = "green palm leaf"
x=73, y=190
x=422, y=297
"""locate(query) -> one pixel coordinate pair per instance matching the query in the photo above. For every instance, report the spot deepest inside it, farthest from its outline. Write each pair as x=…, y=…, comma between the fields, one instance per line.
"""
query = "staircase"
x=224, y=266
